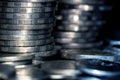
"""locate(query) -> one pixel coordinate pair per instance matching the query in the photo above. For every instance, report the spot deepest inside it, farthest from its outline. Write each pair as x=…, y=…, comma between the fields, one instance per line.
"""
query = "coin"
x=26, y=49
x=27, y=10
x=81, y=22
x=87, y=7
x=38, y=55
x=84, y=2
x=27, y=21
x=88, y=54
x=7, y=72
x=80, y=46
x=77, y=28
x=25, y=43
x=26, y=16
x=27, y=4
x=29, y=0
x=74, y=40
x=30, y=73
x=61, y=67
x=25, y=32
x=15, y=57
x=103, y=68
x=26, y=27
x=64, y=34
x=24, y=37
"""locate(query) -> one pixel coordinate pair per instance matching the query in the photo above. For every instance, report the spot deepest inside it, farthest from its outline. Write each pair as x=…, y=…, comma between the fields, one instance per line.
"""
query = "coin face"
x=104, y=68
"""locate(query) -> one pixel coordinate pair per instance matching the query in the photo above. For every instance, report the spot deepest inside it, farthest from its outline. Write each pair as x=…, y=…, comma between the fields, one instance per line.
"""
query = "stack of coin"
x=79, y=23
x=26, y=27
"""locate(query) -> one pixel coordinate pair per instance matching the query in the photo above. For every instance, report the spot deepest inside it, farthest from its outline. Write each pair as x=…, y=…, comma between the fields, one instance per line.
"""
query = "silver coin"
x=83, y=23
x=88, y=78
x=115, y=50
x=26, y=27
x=7, y=72
x=113, y=42
x=77, y=28
x=27, y=4
x=26, y=49
x=88, y=7
x=30, y=73
x=29, y=0
x=5, y=57
x=79, y=17
x=18, y=64
x=26, y=16
x=27, y=10
x=84, y=1
x=64, y=34
x=25, y=43
x=103, y=68
x=24, y=37
x=25, y=32
x=81, y=46
x=38, y=55
x=74, y=40
x=66, y=68
x=27, y=21
x=79, y=12
x=87, y=54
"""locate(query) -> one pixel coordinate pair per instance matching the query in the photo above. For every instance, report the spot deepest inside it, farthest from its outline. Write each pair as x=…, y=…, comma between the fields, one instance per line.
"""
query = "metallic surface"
x=27, y=21
x=100, y=67
x=24, y=37
x=27, y=4
x=26, y=49
x=26, y=10
x=88, y=54
x=7, y=72
x=84, y=1
x=26, y=27
x=25, y=43
x=26, y=16
x=15, y=57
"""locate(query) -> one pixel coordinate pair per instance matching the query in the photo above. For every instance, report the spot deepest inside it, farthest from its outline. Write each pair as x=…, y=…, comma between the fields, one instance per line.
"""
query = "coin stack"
x=26, y=28
x=79, y=23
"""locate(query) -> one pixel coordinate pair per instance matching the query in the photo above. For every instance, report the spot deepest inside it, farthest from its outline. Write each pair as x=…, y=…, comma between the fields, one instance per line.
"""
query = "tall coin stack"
x=79, y=23
x=25, y=30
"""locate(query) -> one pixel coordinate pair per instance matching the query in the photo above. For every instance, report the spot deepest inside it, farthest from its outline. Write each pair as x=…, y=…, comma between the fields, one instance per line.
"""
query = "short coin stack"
x=79, y=23
x=26, y=27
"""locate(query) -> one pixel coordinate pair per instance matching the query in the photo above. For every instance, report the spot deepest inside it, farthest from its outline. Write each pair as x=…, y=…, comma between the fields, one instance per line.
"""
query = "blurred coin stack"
x=79, y=23
x=25, y=29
